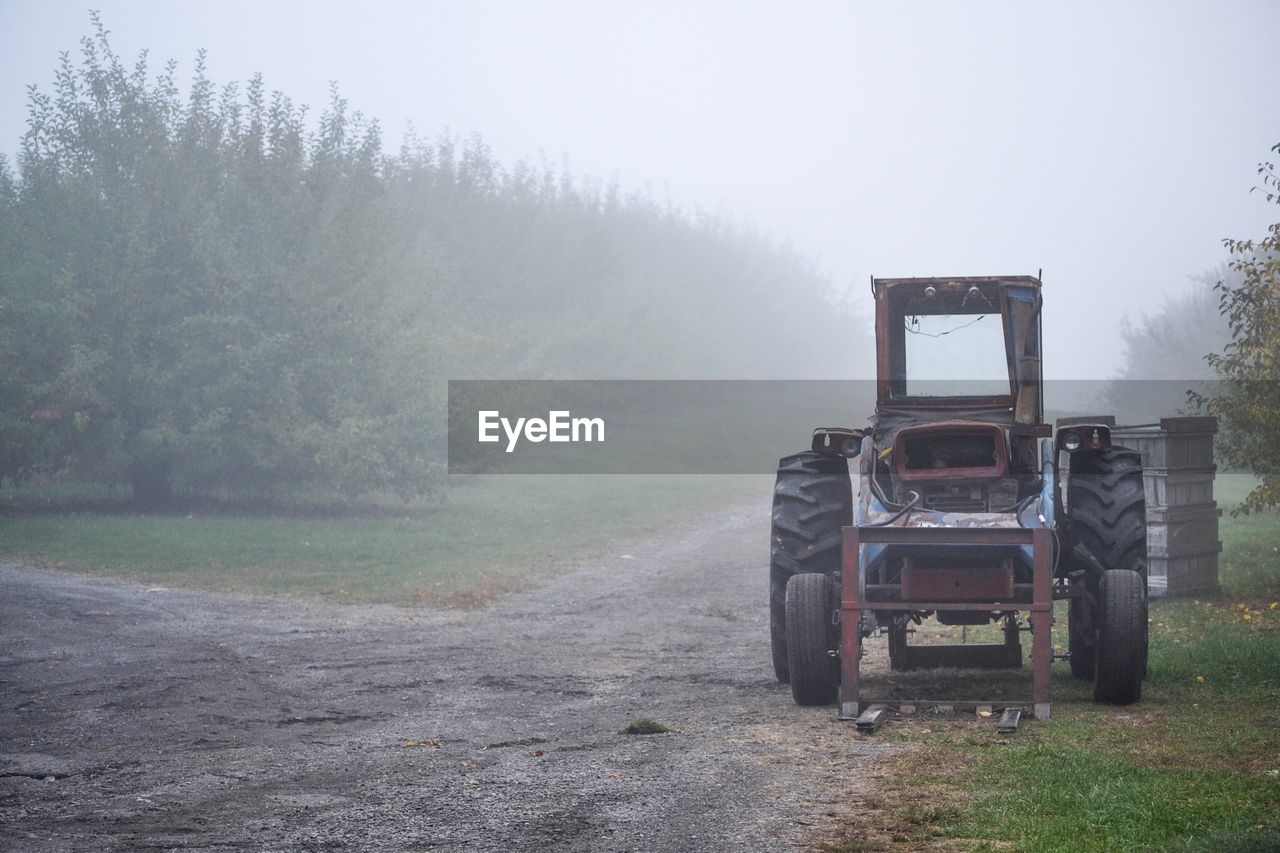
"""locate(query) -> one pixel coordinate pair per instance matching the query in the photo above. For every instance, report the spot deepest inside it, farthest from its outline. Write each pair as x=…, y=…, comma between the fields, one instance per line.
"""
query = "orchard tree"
x=204, y=290
x=192, y=293
x=1247, y=396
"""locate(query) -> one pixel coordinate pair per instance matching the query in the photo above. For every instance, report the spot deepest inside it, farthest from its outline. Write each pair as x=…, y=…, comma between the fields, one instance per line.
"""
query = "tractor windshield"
x=955, y=355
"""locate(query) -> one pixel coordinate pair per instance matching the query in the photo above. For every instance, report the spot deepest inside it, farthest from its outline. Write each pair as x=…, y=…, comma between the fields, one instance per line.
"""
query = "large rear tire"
x=1122, y=638
x=812, y=500
x=812, y=639
x=1108, y=509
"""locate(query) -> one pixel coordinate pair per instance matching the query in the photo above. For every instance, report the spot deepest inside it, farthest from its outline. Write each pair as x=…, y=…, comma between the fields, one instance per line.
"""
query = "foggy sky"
x=1114, y=145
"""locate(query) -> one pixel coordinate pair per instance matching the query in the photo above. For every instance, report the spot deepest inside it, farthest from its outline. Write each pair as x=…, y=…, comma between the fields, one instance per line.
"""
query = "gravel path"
x=136, y=718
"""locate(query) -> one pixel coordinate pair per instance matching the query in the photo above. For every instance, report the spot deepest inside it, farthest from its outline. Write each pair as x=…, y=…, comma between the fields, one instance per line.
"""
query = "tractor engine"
x=953, y=467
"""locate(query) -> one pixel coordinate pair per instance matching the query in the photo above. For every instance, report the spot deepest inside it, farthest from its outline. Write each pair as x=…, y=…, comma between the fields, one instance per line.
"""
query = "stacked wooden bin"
x=1182, y=516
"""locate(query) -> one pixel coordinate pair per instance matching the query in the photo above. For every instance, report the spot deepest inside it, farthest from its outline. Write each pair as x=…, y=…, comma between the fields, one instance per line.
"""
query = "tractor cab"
x=968, y=345
x=958, y=392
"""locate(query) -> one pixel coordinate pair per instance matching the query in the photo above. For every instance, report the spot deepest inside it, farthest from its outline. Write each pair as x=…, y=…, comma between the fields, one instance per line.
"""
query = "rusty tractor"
x=969, y=509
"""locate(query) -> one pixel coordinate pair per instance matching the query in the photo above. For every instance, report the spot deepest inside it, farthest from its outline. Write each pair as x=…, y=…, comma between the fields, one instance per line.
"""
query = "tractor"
x=969, y=509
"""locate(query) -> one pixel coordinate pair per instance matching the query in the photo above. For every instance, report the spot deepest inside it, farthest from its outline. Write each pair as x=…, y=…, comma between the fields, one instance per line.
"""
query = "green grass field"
x=489, y=534
x=1194, y=765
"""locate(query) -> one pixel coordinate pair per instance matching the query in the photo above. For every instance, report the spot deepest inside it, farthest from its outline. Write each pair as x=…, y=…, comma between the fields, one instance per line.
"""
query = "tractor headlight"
x=1071, y=442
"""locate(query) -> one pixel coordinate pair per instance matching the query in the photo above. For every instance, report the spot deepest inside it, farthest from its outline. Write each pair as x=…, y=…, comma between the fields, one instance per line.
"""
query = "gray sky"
x=1112, y=144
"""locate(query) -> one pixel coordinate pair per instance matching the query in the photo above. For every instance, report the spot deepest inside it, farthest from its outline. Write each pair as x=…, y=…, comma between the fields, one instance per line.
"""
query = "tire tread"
x=815, y=673
x=1122, y=638
x=812, y=500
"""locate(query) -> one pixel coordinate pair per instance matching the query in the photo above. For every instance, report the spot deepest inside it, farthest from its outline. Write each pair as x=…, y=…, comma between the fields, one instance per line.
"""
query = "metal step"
x=871, y=719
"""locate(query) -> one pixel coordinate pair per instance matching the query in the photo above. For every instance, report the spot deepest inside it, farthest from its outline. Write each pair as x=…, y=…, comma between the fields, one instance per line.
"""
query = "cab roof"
x=957, y=281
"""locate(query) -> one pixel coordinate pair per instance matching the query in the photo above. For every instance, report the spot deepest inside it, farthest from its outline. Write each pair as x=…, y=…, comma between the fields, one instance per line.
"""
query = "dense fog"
x=222, y=271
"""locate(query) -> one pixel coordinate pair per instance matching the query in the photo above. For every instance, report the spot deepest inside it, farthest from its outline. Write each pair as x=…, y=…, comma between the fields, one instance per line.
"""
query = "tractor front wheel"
x=812, y=639
x=1121, y=649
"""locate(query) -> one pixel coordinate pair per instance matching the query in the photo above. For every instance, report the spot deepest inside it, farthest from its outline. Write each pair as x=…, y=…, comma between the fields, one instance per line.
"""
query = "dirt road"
x=136, y=718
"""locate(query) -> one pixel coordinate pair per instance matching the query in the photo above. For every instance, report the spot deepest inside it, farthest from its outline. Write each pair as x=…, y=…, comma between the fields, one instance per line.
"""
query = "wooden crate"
x=1184, y=488
x=1173, y=444
x=1182, y=518
x=1182, y=573
x=1180, y=528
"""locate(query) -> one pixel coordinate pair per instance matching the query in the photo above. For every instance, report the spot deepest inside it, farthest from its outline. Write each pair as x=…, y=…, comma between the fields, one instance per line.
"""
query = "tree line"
x=204, y=291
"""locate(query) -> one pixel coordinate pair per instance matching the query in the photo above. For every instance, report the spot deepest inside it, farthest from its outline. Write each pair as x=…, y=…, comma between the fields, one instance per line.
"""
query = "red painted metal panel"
x=850, y=622
x=948, y=584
